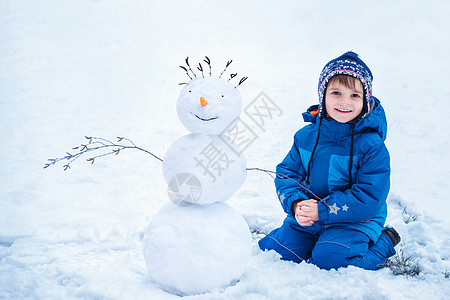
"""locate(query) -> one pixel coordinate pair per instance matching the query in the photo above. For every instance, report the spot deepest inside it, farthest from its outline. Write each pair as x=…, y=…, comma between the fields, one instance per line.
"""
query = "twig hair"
x=189, y=66
x=208, y=62
x=226, y=66
x=200, y=68
x=188, y=71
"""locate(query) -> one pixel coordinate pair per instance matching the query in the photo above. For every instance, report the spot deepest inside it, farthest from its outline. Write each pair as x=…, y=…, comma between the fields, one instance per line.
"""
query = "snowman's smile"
x=205, y=119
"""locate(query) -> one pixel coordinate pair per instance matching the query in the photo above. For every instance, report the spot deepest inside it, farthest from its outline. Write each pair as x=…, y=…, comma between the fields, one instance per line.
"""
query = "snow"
x=111, y=68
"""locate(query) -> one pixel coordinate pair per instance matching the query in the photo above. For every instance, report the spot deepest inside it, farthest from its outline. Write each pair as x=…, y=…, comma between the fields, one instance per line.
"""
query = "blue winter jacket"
x=363, y=206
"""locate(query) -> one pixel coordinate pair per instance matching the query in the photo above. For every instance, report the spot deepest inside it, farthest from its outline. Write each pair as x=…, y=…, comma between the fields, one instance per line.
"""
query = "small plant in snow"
x=400, y=264
x=408, y=217
x=257, y=231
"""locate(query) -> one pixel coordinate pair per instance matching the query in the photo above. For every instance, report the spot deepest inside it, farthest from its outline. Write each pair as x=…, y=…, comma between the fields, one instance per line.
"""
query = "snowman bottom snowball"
x=196, y=249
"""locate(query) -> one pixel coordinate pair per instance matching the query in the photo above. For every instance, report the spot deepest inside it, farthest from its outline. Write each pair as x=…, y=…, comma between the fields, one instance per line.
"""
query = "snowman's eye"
x=223, y=96
x=190, y=91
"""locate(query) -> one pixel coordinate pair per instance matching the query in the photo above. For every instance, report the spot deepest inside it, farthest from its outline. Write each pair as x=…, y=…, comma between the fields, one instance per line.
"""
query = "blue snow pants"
x=328, y=248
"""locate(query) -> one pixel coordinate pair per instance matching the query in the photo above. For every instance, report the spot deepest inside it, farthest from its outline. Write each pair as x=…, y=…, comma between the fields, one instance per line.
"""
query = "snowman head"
x=207, y=104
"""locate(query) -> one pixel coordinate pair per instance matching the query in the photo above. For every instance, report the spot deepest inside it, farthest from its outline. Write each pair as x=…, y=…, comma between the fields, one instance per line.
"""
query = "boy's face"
x=342, y=103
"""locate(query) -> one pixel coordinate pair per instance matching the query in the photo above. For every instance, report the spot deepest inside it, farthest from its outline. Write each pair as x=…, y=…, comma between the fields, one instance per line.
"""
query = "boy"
x=334, y=182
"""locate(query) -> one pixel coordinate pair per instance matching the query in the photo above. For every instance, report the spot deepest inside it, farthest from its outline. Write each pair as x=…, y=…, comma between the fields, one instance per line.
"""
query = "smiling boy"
x=334, y=181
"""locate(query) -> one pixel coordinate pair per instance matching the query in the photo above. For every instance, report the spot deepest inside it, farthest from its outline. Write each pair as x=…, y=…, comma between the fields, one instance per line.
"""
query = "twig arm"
x=95, y=145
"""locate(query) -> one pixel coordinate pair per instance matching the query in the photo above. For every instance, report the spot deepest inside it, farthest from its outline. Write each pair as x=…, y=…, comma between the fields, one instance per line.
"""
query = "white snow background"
x=110, y=68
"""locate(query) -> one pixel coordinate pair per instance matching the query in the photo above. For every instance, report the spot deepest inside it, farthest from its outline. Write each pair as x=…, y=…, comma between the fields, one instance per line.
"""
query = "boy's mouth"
x=343, y=110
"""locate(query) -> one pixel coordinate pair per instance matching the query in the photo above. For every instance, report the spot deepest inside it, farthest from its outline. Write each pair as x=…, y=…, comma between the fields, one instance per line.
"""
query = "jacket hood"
x=375, y=122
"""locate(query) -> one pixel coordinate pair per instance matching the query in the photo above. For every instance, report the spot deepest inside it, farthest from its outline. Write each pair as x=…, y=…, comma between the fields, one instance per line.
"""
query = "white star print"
x=345, y=207
x=334, y=209
x=282, y=198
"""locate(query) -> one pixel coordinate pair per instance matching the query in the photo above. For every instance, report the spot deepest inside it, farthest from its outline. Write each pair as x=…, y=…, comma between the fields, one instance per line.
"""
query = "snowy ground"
x=110, y=68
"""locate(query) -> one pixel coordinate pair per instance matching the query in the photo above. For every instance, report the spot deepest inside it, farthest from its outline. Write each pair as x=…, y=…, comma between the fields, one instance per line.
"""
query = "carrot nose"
x=203, y=102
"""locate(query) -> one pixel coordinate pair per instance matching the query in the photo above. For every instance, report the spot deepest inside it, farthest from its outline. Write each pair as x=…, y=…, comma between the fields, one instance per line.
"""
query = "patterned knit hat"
x=347, y=64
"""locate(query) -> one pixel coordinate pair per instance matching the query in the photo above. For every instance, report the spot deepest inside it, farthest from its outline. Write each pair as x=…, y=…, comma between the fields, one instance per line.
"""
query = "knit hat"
x=347, y=64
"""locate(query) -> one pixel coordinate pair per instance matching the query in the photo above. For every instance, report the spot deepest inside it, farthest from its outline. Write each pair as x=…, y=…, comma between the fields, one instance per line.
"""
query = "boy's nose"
x=345, y=100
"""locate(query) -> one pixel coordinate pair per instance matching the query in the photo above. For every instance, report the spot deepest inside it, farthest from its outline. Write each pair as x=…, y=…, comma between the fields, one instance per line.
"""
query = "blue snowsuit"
x=353, y=210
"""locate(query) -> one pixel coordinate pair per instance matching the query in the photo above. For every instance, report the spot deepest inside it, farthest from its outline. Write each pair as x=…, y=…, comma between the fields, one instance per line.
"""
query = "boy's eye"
x=356, y=96
x=335, y=93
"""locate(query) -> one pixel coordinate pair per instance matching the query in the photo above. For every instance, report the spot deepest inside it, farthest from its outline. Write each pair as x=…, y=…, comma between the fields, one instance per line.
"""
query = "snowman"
x=197, y=243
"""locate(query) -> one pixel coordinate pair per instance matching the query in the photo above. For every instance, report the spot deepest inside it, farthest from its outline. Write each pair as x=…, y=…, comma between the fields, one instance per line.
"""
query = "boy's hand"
x=306, y=212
